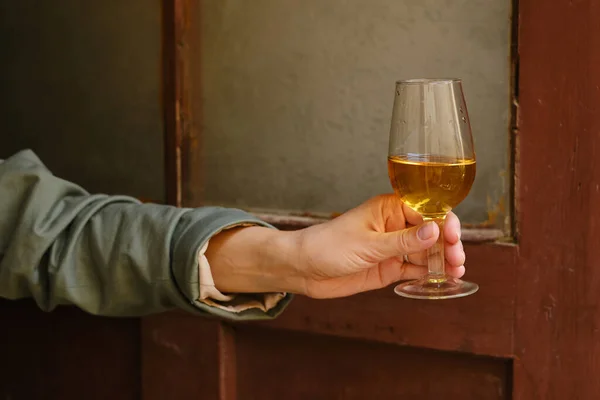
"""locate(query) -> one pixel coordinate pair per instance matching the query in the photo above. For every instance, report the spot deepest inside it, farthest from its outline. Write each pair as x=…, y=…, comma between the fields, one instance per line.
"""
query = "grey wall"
x=296, y=96
x=80, y=84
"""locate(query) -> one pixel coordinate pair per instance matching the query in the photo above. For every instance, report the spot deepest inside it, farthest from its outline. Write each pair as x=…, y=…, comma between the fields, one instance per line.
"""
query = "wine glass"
x=431, y=165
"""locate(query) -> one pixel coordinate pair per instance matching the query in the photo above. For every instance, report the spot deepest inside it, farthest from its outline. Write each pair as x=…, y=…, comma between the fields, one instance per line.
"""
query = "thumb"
x=409, y=241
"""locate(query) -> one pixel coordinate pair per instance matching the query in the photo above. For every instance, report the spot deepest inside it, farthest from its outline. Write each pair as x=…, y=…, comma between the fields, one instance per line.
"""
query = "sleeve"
x=108, y=255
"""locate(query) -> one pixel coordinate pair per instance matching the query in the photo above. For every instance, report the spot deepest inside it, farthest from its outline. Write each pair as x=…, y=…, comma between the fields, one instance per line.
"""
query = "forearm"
x=256, y=260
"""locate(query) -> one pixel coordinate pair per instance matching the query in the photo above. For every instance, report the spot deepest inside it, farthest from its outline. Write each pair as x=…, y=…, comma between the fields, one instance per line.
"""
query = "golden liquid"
x=431, y=185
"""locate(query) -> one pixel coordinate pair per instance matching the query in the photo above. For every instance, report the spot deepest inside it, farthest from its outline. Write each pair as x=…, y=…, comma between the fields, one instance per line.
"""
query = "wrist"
x=255, y=260
x=283, y=259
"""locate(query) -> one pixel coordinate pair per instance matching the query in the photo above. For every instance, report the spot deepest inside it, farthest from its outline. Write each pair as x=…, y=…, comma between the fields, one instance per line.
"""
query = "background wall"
x=296, y=96
x=80, y=85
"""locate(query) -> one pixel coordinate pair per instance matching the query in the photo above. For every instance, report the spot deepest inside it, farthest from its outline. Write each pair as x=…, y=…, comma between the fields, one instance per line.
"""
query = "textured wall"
x=80, y=84
x=296, y=96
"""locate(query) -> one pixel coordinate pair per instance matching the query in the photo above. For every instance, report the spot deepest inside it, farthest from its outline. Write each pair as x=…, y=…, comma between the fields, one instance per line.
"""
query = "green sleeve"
x=108, y=255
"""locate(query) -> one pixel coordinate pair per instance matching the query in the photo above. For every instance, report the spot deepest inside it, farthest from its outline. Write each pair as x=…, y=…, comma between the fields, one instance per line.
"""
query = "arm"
x=108, y=255
x=111, y=255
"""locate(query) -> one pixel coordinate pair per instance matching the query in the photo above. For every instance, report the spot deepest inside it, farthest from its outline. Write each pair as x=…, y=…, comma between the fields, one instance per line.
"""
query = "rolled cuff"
x=192, y=273
x=236, y=303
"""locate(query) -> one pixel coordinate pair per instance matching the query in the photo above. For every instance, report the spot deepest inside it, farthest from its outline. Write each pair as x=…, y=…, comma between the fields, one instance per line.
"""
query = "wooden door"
x=531, y=332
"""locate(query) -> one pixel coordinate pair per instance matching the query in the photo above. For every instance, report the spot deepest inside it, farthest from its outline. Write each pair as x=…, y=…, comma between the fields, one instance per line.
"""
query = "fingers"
x=454, y=258
x=455, y=253
x=418, y=258
x=406, y=241
x=386, y=273
x=456, y=272
x=452, y=228
x=451, y=224
x=391, y=271
x=395, y=270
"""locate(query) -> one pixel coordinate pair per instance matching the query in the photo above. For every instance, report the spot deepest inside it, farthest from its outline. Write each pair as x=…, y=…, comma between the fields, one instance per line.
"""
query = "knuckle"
x=404, y=240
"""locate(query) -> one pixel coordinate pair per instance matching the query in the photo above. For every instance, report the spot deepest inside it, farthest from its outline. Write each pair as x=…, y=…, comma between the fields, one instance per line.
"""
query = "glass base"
x=431, y=288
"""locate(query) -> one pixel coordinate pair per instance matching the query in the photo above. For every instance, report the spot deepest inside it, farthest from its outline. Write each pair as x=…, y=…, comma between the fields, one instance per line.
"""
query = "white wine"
x=431, y=185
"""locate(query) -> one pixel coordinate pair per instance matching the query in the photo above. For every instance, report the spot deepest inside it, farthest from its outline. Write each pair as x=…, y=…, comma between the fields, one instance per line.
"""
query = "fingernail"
x=426, y=231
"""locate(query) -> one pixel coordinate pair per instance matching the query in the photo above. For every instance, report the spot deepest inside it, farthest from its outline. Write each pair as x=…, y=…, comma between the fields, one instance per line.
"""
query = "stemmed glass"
x=431, y=165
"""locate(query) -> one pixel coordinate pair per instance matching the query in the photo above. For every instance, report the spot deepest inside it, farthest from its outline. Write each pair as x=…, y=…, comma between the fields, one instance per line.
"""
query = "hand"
x=360, y=250
x=363, y=249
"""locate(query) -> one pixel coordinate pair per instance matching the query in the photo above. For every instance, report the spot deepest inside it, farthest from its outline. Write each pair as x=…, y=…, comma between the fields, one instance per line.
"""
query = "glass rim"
x=428, y=81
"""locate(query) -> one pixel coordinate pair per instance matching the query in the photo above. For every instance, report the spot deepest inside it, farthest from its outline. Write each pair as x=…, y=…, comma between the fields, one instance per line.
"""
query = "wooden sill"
x=293, y=222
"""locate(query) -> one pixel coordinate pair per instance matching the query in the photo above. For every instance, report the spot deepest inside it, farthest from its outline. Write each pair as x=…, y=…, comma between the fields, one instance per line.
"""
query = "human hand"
x=364, y=249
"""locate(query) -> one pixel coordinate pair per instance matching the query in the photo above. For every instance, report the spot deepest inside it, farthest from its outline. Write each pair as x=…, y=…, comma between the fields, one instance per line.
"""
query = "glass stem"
x=435, y=254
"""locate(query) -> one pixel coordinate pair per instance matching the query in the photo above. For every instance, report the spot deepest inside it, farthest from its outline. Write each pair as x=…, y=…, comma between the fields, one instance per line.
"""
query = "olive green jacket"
x=108, y=255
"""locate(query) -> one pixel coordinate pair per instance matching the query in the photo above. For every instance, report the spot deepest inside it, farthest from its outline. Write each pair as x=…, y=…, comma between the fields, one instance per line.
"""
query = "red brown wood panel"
x=180, y=38
x=227, y=362
x=169, y=99
x=480, y=324
x=272, y=365
x=557, y=339
x=553, y=284
x=67, y=354
x=180, y=357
